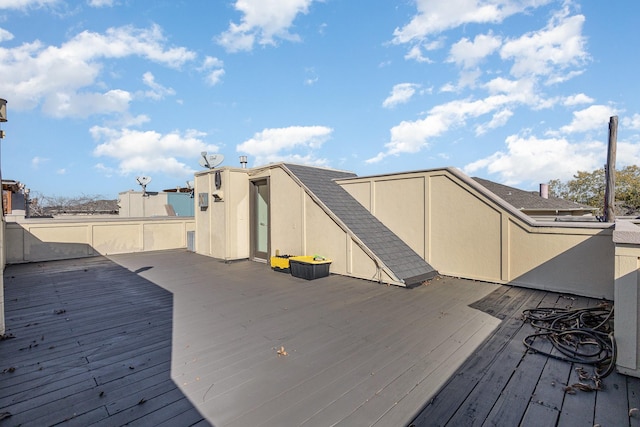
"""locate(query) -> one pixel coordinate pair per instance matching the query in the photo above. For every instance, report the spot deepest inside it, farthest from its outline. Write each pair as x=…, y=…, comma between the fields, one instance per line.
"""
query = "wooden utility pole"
x=610, y=172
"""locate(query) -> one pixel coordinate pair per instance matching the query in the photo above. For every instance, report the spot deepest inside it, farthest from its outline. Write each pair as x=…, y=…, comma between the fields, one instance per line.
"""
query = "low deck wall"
x=37, y=240
x=627, y=296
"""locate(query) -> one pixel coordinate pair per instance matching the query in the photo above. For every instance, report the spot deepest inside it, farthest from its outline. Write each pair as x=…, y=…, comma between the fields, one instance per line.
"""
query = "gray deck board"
x=529, y=391
x=173, y=338
x=329, y=327
x=88, y=333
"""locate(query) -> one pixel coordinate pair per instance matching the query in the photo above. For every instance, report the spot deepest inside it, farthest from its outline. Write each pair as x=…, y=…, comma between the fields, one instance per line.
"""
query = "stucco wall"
x=135, y=204
x=446, y=217
x=223, y=226
x=298, y=225
x=51, y=239
x=627, y=296
x=287, y=205
x=465, y=232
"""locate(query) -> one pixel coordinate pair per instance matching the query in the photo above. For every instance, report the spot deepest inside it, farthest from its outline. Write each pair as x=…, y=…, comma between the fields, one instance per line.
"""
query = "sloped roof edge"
x=340, y=223
x=385, y=248
x=458, y=174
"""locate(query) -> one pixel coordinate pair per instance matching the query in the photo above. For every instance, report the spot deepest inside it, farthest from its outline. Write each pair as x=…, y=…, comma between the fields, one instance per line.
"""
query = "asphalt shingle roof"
x=403, y=261
x=530, y=200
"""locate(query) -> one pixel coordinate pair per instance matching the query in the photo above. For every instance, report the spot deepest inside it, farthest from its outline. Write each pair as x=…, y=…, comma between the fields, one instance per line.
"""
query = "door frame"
x=254, y=253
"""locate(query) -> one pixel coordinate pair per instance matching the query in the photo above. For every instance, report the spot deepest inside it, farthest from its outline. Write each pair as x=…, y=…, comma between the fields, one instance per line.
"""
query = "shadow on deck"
x=90, y=343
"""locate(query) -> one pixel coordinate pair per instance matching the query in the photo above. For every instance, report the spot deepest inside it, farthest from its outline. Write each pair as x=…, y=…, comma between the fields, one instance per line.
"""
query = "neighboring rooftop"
x=403, y=261
x=532, y=201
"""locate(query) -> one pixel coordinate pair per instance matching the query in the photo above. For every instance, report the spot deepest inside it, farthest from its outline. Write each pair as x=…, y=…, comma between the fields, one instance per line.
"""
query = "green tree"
x=588, y=188
x=628, y=189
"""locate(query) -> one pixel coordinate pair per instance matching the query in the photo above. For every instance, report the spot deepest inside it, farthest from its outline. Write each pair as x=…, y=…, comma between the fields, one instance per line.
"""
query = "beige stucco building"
x=448, y=220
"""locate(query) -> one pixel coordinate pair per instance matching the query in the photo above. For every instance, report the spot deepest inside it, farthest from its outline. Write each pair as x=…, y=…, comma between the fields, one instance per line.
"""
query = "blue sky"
x=518, y=92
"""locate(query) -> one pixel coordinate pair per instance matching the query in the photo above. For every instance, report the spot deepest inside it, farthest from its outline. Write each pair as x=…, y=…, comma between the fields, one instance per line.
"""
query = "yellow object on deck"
x=311, y=259
x=280, y=262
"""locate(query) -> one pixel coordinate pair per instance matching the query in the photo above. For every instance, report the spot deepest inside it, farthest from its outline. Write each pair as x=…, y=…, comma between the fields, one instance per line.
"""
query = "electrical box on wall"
x=218, y=196
x=203, y=200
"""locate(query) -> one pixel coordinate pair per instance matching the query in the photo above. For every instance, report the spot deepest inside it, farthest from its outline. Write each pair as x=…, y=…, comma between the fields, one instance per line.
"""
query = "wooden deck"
x=505, y=385
x=173, y=338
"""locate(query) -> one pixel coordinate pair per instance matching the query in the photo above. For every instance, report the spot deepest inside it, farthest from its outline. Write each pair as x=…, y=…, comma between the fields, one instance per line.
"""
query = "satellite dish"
x=210, y=161
x=190, y=185
x=143, y=180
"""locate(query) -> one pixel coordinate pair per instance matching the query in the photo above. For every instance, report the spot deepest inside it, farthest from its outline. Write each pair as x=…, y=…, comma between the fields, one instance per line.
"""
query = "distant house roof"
x=531, y=201
x=403, y=261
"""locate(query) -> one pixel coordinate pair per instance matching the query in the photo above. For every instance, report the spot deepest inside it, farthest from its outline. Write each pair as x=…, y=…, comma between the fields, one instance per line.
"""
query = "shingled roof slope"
x=403, y=261
x=531, y=200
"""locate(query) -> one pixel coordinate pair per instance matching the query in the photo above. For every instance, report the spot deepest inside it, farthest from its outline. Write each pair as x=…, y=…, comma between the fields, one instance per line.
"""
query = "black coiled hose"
x=582, y=335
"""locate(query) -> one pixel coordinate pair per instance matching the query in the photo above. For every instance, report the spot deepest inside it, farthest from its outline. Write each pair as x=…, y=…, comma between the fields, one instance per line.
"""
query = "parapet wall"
x=464, y=230
x=53, y=239
x=627, y=296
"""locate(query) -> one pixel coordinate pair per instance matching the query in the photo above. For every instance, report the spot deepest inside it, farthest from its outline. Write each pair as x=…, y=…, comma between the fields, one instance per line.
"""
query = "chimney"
x=544, y=191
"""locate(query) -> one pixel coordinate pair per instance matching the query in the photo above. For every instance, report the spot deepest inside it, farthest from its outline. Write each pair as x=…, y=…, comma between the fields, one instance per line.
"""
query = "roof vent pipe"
x=544, y=191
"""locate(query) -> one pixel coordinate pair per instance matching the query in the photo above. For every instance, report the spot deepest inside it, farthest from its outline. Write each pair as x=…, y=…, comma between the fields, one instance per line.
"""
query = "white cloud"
x=550, y=51
x=400, y=94
x=212, y=62
x=281, y=144
x=499, y=119
x=37, y=161
x=468, y=53
x=413, y=136
x=563, y=77
x=533, y=160
x=101, y=3
x=157, y=91
x=5, y=35
x=214, y=77
x=415, y=53
x=468, y=78
x=551, y=55
x=150, y=151
x=628, y=154
x=132, y=121
x=61, y=171
x=262, y=22
x=26, y=4
x=213, y=67
x=435, y=16
x=577, y=99
x=71, y=104
x=126, y=41
x=448, y=87
x=632, y=122
x=60, y=78
x=591, y=118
